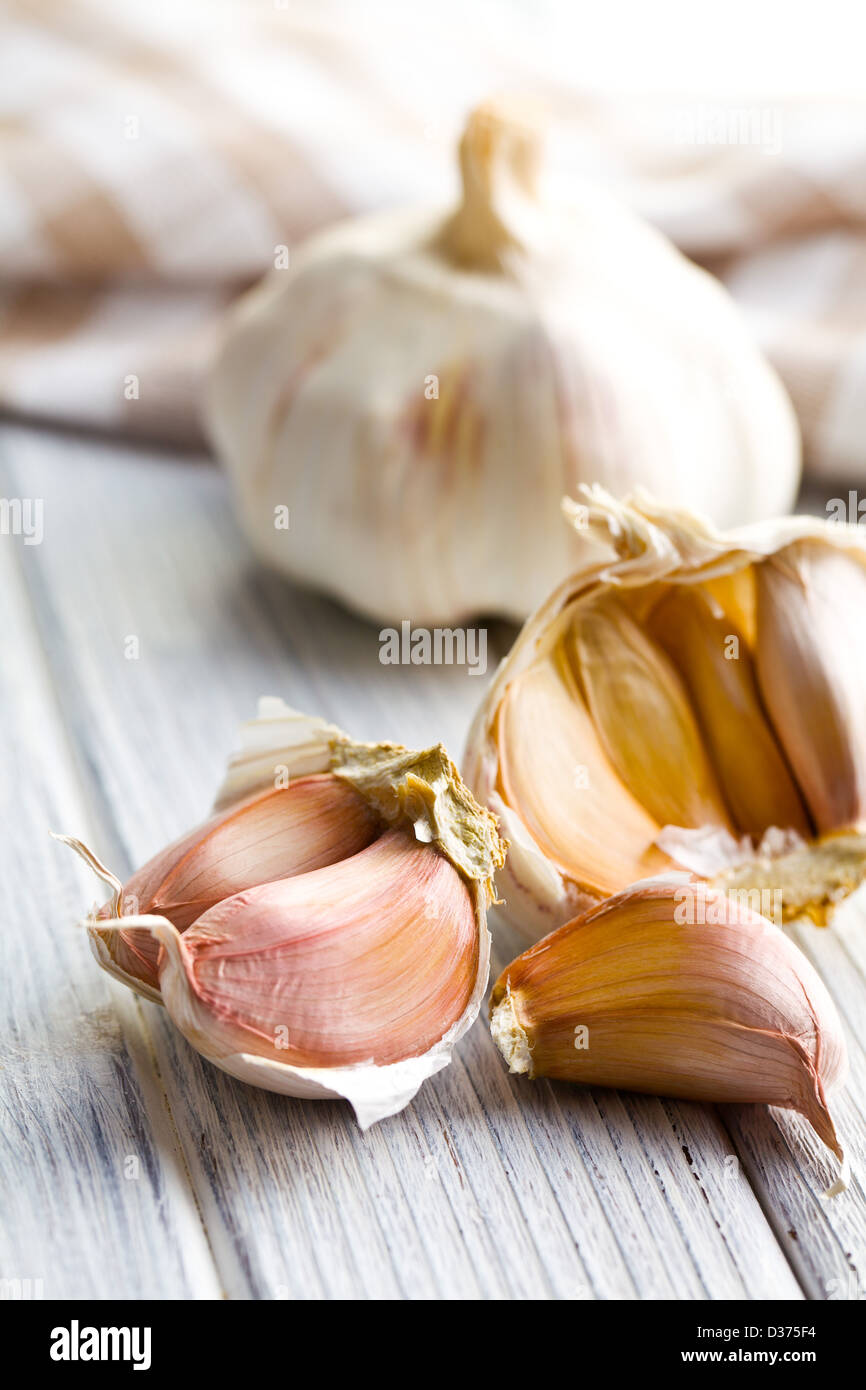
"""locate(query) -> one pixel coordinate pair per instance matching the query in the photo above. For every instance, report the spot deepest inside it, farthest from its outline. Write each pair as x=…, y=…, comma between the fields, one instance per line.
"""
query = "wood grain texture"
x=487, y=1186
x=96, y=1201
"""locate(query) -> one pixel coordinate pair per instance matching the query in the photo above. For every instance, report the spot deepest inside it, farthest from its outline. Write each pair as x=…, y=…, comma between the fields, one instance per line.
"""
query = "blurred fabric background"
x=152, y=159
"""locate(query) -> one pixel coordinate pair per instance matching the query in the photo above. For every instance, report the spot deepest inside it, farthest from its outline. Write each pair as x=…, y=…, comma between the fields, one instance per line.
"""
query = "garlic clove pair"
x=674, y=989
x=371, y=959
x=714, y=703
x=325, y=939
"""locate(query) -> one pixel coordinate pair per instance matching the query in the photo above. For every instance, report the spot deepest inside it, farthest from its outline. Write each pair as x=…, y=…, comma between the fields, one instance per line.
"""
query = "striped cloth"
x=153, y=157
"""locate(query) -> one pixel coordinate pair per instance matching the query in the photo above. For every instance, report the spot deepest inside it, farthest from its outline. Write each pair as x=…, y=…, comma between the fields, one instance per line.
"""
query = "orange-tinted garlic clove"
x=675, y=990
x=713, y=658
x=811, y=639
x=644, y=717
x=556, y=774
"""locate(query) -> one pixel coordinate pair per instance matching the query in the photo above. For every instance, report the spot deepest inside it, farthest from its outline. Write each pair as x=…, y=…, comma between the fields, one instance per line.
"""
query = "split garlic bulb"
x=402, y=410
x=324, y=934
x=678, y=990
x=699, y=702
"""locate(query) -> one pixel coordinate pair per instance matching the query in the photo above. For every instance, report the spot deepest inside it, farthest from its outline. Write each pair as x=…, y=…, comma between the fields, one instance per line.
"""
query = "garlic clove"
x=644, y=719
x=675, y=990
x=792, y=591
x=453, y=371
x=712, y=656
x=306, y=825
x=350, y=980
x=372, y=959
x=811, y=629
x=289, y=830
x=554, y=770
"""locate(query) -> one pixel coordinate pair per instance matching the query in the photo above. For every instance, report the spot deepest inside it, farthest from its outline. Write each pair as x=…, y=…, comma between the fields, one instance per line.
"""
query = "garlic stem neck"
x=495, y=225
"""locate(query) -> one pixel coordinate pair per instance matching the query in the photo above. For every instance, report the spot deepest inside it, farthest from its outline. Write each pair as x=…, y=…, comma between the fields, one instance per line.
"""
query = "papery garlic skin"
x=348, y=974
x=419, y=389
x=793, y=713
x=677, y=990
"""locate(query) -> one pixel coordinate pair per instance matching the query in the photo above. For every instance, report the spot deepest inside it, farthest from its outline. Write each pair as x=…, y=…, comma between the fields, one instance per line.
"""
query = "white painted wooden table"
x=130, y=1167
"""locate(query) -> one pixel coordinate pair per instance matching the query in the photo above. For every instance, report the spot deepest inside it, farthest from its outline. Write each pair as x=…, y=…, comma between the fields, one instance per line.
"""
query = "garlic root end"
x=510, y=1037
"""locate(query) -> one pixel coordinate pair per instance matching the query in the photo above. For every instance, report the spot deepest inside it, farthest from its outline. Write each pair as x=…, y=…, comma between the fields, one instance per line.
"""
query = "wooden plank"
x=659, y=1173
x=831, y=1260
x=96, y=1200
x=487, y=1186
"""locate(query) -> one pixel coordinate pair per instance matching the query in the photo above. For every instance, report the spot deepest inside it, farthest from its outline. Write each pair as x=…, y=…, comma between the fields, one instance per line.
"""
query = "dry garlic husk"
x=324, y=933
x=675, y=989
x=698, y=702
x=402, y=409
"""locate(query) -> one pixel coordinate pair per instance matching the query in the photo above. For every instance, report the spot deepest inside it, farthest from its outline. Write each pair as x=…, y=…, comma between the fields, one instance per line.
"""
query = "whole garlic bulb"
x=419, y=390
x=322, y=936
x=697, y=701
